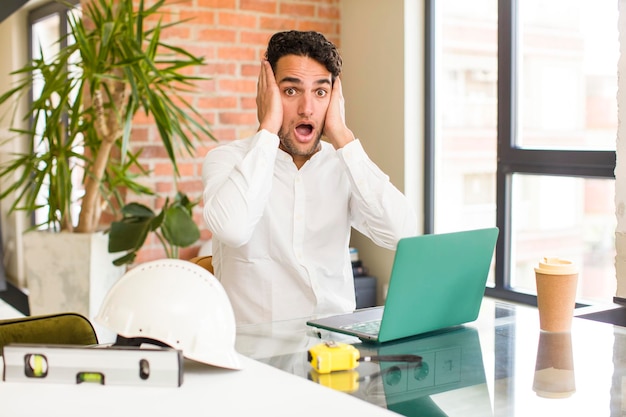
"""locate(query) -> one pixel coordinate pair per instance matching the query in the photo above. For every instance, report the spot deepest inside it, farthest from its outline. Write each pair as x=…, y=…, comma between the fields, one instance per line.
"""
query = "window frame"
x=511, y=159
x=12, y=294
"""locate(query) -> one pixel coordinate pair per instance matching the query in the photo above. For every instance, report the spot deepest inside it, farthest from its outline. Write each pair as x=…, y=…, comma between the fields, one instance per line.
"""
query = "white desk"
x=258, y=389
x=497, y=357
x=491, y=367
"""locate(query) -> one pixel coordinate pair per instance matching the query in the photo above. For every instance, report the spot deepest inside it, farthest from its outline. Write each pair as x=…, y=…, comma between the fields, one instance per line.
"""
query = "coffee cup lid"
x=556, y=266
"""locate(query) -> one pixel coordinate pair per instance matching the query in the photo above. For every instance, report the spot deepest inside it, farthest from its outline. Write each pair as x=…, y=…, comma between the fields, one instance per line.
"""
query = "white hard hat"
x=177, y=303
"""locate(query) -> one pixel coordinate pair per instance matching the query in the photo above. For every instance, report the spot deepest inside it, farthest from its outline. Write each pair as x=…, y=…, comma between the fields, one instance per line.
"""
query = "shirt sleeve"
x=237, y=183
x=378, y=209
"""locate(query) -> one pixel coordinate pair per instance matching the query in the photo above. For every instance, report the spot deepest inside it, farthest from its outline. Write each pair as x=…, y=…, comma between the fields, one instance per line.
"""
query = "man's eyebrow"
x=296, y=80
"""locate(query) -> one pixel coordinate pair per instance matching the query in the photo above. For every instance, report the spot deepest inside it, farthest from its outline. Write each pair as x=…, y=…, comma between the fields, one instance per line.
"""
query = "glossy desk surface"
x=499, y=365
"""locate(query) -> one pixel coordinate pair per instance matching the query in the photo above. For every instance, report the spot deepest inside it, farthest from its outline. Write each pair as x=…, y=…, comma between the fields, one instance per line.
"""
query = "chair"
x=53, y=329
x=204, y=261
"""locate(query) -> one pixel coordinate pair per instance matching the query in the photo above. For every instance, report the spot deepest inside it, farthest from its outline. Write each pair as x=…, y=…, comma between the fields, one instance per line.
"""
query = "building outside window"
x=533, y=154
x=48, y=32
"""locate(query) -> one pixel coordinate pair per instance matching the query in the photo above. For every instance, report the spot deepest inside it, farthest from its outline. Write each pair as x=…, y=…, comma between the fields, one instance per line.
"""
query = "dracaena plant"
x=115, y=65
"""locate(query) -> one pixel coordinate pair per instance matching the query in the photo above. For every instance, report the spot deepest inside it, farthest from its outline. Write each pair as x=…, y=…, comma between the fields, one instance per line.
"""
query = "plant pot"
x=69, y=272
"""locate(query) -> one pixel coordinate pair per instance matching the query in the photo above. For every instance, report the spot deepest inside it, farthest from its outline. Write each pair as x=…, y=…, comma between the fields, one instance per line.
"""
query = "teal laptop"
x=437, y=281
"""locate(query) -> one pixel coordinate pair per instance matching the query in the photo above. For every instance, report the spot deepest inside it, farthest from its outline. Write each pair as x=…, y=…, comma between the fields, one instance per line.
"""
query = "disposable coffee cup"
x=557, y=280
x=554, y=368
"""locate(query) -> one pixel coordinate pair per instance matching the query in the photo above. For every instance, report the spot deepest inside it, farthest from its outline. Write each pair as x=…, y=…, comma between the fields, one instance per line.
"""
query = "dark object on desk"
x=57, y=329
x=364, y=285
x=358, y=269
x=365, y=291
x=616, y=316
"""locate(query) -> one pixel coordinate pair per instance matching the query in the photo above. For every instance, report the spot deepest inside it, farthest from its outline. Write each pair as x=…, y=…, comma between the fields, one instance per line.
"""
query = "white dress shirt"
x=281, y=235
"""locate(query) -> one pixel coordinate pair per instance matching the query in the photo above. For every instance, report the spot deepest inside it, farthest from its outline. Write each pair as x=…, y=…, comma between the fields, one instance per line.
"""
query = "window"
x=49, y=24
x=521, y=134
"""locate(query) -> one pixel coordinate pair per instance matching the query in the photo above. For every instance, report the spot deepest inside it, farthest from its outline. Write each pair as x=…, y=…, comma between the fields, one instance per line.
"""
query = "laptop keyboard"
x=367, y=327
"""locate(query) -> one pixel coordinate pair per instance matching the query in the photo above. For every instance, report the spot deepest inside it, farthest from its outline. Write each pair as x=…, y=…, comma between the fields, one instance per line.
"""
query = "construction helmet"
x=176, y=303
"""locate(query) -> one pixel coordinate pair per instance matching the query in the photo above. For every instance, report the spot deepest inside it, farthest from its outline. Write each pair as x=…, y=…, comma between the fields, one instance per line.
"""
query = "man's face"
x=305, y=86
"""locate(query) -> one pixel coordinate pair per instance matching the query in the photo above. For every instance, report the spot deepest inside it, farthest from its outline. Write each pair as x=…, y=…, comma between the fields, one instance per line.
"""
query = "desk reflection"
x=452, y=361
x=554, y=368
x=451, y=368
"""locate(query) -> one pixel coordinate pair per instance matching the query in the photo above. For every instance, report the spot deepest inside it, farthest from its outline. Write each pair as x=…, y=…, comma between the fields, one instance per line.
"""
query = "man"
x=281, y=204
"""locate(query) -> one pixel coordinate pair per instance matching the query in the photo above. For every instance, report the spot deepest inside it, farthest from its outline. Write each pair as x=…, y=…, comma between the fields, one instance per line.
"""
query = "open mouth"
x=304, y=130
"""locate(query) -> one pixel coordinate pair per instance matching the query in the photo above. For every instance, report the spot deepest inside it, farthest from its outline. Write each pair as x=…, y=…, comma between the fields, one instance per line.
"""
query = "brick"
x=238, y=118
x=165, y=188
x=153, y=152
x=277, y=23
x=224, y=133
x=190, y=187
x=248, y=103
x=236, y=53
x=302, y=11
x=229, y=102
x=163, y=169
x=237, y=85
x=219, y=35
x=263, y=6
x=251, y=70
x=326, y=28
x=218, y=4
x=199, y=17
x=329, y=12
x=237, y=19
x=255, y=38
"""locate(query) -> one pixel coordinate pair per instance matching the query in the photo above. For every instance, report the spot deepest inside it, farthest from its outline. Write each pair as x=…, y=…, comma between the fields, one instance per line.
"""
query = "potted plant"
x=115, y=65
x=174, y=227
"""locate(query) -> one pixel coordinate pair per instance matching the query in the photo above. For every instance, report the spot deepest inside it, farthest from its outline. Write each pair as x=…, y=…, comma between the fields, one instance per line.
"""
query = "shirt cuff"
x=265, y=138
x=352, y=151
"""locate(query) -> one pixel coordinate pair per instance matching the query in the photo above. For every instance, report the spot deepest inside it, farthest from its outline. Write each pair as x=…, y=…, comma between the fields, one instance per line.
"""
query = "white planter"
x=69, y=272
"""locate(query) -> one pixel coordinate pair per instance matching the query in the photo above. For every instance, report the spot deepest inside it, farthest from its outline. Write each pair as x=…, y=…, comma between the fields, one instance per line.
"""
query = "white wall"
x=382, y=48
x=620, y=169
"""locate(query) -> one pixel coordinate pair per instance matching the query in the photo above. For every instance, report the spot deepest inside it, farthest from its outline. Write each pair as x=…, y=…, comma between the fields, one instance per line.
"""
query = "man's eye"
x=290, y=91
x=321, y=93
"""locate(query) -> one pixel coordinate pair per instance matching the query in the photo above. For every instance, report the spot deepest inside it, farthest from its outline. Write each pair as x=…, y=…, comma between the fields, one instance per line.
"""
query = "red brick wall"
x=232, y=36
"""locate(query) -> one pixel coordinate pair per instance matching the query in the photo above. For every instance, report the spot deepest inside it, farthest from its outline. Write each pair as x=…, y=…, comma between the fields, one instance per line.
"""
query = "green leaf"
x=128, y=235
x=179, y=229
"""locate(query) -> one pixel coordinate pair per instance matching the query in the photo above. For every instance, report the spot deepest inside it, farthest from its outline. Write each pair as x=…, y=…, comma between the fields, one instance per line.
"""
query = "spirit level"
x=112, y=365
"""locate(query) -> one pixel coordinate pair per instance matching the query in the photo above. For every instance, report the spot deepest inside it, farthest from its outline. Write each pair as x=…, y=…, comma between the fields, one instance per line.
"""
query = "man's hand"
x=269, y=104
x=335, y=128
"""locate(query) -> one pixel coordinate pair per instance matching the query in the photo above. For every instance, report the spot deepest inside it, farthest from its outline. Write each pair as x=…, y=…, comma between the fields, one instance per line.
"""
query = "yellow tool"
x=333, y=356
x=344, y=381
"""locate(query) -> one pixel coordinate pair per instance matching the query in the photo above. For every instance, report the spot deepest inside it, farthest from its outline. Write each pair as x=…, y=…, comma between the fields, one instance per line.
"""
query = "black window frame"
x=511, y=159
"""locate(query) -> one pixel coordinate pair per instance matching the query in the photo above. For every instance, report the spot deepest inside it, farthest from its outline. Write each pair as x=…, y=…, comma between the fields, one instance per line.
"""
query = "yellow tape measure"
x=333, y=356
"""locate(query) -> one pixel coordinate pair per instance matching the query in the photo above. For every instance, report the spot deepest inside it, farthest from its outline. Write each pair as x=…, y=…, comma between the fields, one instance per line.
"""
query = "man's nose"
x=305, y=105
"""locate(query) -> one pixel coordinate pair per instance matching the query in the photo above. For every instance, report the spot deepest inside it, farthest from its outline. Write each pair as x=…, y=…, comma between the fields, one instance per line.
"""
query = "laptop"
x=437, y=281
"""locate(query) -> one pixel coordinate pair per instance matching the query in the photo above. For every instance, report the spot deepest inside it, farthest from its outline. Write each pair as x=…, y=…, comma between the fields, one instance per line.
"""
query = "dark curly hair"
x=309, y=44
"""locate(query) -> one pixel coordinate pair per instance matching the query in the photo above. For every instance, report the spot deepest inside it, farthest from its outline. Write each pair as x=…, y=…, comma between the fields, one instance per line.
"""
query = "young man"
x=282, y=203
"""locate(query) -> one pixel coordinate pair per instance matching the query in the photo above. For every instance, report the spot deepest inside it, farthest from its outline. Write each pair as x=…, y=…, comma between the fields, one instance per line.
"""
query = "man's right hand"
x=268, y=101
